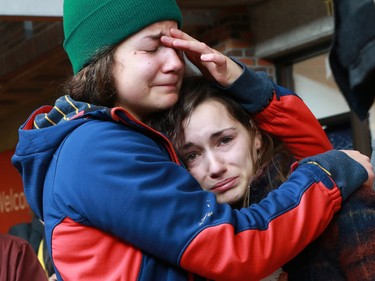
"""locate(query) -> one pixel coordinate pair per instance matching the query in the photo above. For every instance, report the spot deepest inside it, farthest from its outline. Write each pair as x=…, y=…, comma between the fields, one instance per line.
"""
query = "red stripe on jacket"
x=99, y=256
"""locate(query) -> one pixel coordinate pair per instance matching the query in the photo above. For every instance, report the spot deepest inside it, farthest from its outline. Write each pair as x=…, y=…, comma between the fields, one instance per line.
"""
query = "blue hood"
x=40, y=136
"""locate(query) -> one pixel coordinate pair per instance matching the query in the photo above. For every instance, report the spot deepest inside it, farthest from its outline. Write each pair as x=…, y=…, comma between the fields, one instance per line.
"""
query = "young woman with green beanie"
x=116, y=202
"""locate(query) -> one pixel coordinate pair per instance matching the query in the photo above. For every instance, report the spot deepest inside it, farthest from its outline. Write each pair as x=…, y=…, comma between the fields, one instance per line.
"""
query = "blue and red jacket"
x=117, y=204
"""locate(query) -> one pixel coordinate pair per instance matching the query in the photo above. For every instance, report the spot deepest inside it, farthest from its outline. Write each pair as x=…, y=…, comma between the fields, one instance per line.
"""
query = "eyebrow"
x=154, y=36
x=213, y=136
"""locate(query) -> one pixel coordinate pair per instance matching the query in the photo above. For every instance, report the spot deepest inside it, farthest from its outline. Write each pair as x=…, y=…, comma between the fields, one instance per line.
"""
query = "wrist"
x=234, y=72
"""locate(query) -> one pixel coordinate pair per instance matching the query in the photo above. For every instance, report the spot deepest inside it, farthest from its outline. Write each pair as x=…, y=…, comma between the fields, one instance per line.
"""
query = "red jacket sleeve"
x=288, y=118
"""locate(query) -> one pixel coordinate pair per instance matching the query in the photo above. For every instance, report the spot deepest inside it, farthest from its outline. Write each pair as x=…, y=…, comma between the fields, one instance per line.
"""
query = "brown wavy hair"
x=194, y=91
x=95, y=83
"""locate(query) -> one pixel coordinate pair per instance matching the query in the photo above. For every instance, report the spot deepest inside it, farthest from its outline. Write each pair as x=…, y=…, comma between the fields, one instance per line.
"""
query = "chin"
x=169, y=101
x=231, y=201
x=233, y=198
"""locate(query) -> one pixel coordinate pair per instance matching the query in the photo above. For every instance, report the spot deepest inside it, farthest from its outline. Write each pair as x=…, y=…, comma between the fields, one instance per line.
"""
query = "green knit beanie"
x=91, y=25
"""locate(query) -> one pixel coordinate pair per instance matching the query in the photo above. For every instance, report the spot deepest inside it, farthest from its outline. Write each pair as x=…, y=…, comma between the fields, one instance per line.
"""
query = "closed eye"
x=151, y=50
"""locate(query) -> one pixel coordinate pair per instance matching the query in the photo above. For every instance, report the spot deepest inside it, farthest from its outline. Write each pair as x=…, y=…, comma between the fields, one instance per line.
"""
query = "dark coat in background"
x=352, y=57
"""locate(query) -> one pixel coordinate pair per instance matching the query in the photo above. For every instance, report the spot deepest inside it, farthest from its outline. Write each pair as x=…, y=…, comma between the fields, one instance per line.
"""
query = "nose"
x=216, y=165
x=173, y=60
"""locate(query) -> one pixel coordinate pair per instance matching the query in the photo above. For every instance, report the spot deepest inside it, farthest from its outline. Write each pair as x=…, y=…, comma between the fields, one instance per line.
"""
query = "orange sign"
x=13, y=205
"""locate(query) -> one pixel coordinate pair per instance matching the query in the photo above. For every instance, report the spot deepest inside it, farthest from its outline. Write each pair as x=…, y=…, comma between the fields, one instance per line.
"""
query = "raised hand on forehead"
x=213, y=64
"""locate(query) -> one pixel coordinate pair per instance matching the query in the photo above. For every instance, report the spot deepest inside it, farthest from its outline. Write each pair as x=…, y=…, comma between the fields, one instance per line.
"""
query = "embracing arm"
x=201, y=236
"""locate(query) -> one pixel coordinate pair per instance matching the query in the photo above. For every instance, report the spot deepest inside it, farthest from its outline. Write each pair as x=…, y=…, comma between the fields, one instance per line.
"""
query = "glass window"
x=314, y=83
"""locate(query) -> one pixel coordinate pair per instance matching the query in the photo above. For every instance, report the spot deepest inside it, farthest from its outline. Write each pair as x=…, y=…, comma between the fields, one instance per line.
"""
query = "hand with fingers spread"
x=213, y=64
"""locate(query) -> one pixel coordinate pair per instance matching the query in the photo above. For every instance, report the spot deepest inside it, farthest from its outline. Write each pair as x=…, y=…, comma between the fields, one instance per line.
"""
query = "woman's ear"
x=258, y=135
x=258, y=140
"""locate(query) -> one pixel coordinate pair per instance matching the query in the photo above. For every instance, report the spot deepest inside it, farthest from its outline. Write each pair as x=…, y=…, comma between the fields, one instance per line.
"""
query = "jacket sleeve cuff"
x=347, y=173
x=253, y=90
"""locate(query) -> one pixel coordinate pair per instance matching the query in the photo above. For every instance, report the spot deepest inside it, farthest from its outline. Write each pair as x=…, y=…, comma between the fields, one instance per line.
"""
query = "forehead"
x=210, y=108
x=146, y=36
x=207, y=118
x=161, y=27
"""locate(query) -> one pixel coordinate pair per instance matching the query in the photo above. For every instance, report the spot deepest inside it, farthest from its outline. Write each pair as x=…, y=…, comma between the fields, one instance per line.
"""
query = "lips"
x=225, y=185
x=168, y=86
x=167, y=82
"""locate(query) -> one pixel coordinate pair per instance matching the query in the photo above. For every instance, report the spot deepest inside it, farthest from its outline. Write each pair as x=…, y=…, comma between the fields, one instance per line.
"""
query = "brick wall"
x=231, y=35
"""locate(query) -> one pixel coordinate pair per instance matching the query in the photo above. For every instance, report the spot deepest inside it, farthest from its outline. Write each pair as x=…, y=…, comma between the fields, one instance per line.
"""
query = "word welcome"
x=12, y=201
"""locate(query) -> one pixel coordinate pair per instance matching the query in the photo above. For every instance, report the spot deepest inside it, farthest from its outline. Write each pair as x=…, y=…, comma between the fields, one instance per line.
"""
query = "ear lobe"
x=258, y=140
x=257, y=145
